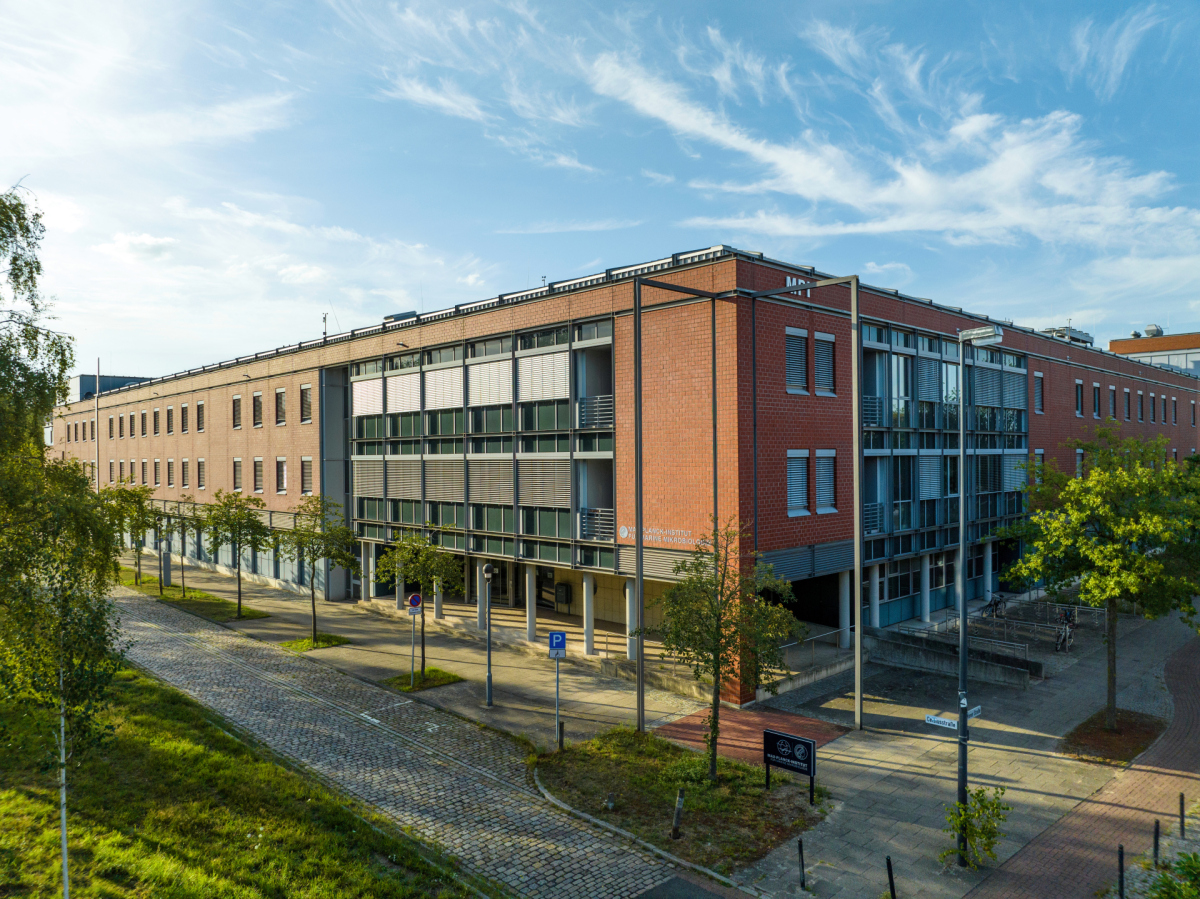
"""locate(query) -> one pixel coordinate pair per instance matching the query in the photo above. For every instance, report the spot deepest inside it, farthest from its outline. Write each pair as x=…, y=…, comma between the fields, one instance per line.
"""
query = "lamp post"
x=158, y=551
x=984, y=336
x=487, y=576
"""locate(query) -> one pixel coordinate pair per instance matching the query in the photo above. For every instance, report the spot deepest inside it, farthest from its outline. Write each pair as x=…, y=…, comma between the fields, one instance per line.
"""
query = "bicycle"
x=995, y=608
x=1065, y=637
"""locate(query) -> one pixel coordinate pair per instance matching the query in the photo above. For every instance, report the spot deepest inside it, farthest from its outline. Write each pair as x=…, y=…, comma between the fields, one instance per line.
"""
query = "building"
x=507, y=427
x=1178, y=351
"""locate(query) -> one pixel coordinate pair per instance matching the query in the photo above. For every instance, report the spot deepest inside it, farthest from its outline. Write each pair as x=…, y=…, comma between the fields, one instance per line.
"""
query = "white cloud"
x=658, y=177
x=447, y=97
x=1101, y=56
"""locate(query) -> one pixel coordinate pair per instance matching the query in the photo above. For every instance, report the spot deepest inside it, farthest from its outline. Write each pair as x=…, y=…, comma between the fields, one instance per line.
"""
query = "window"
x=1141, y=407
x=498, y=519
x=1039, y=462
x=1153, y=407
x=372, y=367
x=546, y=337
x=796, y=353
x=170, y=419
x=305, y=403
x=281, y=475
x=1078, y=463
x=444, y=422
x=280, y=406
x=1112, y=403
x=143, y=422
x=110, y=428
x=444, y=354
x=237, y=475
x=237, y=412
x=824, y=363
x=594, y=330
x=121, y=470
x=256, y=409
x=306, y=483
x=447, y=515
x=121, y=426
x=484, y=420
x=1174, y=411
x=183, y=419
x=110, y=468
x=144, y=479
x=797, y=482
x=545, y=415
x=928, y=344
x=170, y=472
x=826, y=481
x=904, y=339
x=371, y=509
x=1127, y=404
x=396, y=363
x=1193, y=413
x=155, y=424
x=1079, y=398
x=493, y=346
x=406, y=511
x=200, y=474
x=1164, y=410
x=200, y=417
x=183, y=474
x=1095, y=400
x=258, y=475
x=157, y=481
x=546, y=522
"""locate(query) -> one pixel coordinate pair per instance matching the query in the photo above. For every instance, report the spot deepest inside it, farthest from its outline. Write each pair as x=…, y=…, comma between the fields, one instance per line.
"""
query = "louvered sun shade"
x=930, y=472
x=796, y=350
x=826, y=482
x=444, y=481
x=368, y=397
x=444, y=388
x=490, y=383
x=543, y=377
x=797, y=481
x=491, y=482
x=404, y=479
x=823, y=363
x=545, y=484
x=368, y=477
x=404, y=393
x=987, y=387
x=929, y=379
x=1016, y=393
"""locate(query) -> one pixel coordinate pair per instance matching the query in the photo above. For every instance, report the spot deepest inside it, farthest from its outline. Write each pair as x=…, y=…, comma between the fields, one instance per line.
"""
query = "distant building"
x=83, y=387
x=1180, y=351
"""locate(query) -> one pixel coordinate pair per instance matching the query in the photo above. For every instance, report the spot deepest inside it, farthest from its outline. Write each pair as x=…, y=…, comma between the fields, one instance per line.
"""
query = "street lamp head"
x=984, y=336
x=487, y=571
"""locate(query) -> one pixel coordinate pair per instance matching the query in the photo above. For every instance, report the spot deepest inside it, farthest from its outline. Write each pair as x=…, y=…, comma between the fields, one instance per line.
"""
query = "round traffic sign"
x=415, y=601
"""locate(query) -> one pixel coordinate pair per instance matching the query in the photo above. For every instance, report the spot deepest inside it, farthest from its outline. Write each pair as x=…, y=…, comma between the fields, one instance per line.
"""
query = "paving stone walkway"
x=458, y=785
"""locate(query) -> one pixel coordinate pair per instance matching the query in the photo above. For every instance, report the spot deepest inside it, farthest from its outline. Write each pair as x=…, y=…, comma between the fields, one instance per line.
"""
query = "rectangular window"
x=1039, y=396
x=1127, y=404
x=823, y=375
x=258, y=475
x=1141, y=407
x=200, y=474
x=796, y=353
x=305, y=404
x=110, y=427
x=306, y=480
x=1112, y=403
x=183, y=419
x=237, y=474
x=183, y=474
x=143, y=422
x=256, y=407
x=281, y=475
x=280, y=406
x=200, y=417
x=826, y=481
x=155, y=424
x=1153, y=407
x=110, y=471
x=1078, y=463
x=121, y=470
x=1079, y=398
x=170, y=419
x=144, y=479
x=170, y=472
x=1095, y=400
x=1174, y=411
x=797, y=482
x=121, y=426
x=237, y=412
x=1193, y=413
x=157, y=480
x=1164, y=410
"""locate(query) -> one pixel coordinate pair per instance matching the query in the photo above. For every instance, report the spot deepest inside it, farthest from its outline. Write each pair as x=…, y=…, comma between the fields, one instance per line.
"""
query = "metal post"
x=412, y=654
x=800, y=846
x=891, y=879
x=557, y=722
x=856, y=453
x=1181, y=818
x=487, y=575
x=1156, y=831
x=1120, y=872
x=637, y=501
x=960, y=577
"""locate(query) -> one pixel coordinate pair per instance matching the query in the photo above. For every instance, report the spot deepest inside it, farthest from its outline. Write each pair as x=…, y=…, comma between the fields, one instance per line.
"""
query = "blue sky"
x=215, y=176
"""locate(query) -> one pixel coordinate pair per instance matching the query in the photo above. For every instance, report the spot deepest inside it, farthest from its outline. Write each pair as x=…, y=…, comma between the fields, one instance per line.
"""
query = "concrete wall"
x=906, y=651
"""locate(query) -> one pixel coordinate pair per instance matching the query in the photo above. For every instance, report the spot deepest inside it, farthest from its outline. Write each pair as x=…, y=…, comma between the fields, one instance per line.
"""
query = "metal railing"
x=596, y=412
x=811, y=642
x=596, y=524
x=872, y=412
x=987, y=644
x=873, y=518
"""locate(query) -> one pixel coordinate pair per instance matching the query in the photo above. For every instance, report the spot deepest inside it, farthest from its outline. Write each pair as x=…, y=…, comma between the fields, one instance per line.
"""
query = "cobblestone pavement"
x=457, y=785
x=1077, y=856
x=891, y=782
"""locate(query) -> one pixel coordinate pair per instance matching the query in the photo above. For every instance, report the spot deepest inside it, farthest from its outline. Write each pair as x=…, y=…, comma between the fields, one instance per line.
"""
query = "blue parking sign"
x=558, y=644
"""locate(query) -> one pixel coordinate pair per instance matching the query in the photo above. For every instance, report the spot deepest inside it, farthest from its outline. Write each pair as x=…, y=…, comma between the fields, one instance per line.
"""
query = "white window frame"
x=798, y=511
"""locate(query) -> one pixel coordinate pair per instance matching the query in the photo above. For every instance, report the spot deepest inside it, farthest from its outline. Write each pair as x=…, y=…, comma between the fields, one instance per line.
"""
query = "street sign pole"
x=556, y=724
x=412, y=654
x=558, y=649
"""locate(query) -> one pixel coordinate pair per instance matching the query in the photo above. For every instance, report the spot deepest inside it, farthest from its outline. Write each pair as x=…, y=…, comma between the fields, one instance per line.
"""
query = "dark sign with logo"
x=792, y=754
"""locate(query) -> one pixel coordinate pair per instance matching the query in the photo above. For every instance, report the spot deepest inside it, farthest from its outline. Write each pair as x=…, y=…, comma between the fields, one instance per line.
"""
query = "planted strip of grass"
x=324, y=641
x=173, y=807
x=433, y=677
x=726, y=825
x=196, y=601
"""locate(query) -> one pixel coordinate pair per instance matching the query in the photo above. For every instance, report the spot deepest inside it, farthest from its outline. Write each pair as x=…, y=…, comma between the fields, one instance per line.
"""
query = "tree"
x=187, y=517
x=132, y=512
x=717, y=621
x=318, y=533
x=232, y=519
x=1119, y=529
x=414, y=558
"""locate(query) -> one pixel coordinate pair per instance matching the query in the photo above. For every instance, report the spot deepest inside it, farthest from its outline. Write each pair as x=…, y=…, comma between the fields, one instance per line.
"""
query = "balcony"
x=872, y=412
x=595, y=412
x=872, y=517
x=596, y=524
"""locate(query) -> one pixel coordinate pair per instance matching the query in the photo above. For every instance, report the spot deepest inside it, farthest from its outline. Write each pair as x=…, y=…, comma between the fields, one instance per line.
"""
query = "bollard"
x=1155, y=842
x=612, y=802
x=800, y=846
x=891, y=879
x=1181, y=817
x=561, y=728
x=1120, y=872
x=678, y=815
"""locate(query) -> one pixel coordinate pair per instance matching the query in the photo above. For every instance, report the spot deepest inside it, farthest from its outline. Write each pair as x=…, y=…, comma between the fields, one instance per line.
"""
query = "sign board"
x=975, y=712
x=414, y=601
x=792, y=753
x=558, y=644
x=941, y=722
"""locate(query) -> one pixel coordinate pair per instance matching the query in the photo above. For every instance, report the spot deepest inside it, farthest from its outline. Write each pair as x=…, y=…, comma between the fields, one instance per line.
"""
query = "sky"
x=217, y=176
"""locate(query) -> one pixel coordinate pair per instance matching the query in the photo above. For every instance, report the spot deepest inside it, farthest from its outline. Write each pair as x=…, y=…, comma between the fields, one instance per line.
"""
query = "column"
x=925, y=588
x=437, y=601
x=630, y=618
x=480, y=595
x=589, y=614
x=401, y=605
x=844, y=620
x=873, y=594
x=530, y=603
x=987, y=571
x=959, y=572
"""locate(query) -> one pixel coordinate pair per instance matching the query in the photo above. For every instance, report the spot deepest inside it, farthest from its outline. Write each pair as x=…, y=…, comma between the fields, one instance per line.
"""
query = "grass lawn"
x=323, y=641
x=211, y=607
x=1092, y=743
x=434, y=677
x=173, y=807
x=725, y=826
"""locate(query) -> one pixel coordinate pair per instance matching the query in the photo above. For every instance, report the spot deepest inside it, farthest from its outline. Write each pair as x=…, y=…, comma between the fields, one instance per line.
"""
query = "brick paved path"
x=742, y=731
x=459, y=786
x=1077, y=856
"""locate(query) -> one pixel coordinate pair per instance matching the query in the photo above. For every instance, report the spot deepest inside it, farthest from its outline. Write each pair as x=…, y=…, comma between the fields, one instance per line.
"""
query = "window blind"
x=544, y=484
x=1014, y=474
x=1016, y=392
x=987, y=387
x=444, y=389
x=930, y=474
x=490, y=482
x=368, y=476
x=543, y=377
x=796, y=350
x=797, y=483
x=490, y=383
x=444, y=480
x=368, y=397
x=404, y=479
x=1038, y=394
x=826, y=482
x=404, y=393
x=824, y=364
x=929, y=379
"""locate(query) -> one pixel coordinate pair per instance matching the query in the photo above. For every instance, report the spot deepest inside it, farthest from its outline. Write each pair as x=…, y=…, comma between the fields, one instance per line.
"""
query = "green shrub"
x=980, y=819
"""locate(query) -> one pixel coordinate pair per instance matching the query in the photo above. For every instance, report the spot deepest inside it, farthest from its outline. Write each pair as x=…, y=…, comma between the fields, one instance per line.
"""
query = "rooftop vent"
x=1154, y=331
x=399, y=316
x=1135, y=334
x=1071, y=335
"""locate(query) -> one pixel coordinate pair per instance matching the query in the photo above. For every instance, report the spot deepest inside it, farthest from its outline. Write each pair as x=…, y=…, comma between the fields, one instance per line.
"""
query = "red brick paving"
x=741, y=731
x=1077, y=855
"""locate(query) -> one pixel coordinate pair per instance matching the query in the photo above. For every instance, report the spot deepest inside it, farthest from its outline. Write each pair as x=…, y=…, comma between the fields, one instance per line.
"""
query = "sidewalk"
x=523, y=684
